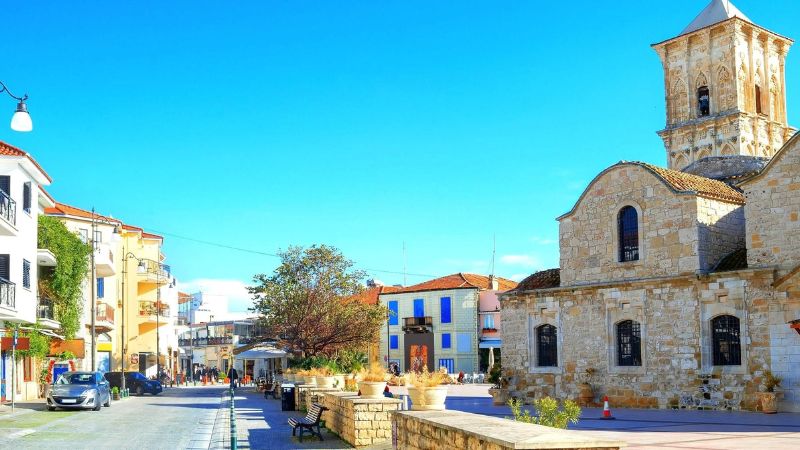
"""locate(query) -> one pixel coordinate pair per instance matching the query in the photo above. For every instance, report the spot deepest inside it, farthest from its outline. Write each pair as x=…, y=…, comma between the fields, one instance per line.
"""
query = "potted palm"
x=499, y=389
x=372, y=381
x=288, y=375
x=115, y=393
x=324, y=377
x=428, y=390
x=769, y=398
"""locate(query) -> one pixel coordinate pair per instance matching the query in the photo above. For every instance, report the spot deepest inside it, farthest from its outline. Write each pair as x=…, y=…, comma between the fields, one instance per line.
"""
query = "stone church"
x=680, y=286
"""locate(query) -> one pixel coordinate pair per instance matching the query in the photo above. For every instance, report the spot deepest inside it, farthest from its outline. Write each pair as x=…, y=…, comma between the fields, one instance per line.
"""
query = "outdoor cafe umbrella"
x=491, y=357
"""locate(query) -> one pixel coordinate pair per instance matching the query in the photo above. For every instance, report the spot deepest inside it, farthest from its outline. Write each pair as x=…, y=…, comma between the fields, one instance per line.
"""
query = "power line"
x=258, y=252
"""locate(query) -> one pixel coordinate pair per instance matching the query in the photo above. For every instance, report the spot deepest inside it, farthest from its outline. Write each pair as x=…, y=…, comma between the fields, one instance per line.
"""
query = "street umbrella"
x=491, y=357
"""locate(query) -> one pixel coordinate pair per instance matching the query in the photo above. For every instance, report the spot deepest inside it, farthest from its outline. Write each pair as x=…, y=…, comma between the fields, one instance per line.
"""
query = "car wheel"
x=140, y=390
x=107, y=404
x=96, y=408
x=51, y=408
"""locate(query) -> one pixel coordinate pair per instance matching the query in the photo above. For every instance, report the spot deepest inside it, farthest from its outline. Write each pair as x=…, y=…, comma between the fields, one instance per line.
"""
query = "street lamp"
x=140, y=269
x=21, y=120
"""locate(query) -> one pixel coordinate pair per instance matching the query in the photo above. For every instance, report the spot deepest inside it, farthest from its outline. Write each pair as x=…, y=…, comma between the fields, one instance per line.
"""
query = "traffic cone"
x=606, y=410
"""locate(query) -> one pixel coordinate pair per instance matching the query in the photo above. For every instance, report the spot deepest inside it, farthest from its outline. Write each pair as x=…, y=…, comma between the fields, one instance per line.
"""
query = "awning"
x=489, y=343
x=262, y=353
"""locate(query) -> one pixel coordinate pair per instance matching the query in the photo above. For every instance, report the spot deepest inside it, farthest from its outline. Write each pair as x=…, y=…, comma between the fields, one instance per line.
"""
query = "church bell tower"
x=725, y=88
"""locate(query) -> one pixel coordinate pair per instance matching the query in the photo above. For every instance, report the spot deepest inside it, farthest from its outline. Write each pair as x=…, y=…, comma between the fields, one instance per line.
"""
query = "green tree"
x=312, y=302
x=63, y=283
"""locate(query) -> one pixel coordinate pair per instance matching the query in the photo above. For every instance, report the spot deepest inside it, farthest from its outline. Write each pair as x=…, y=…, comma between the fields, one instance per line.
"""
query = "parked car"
x=79, y=390
x=136, y=382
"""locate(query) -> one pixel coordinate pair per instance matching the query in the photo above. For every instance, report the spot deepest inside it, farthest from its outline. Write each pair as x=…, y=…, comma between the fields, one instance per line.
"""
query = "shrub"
x=425, y=379
x=548, y=412
x=375, y=373
x=771, y=381
x=494, y=375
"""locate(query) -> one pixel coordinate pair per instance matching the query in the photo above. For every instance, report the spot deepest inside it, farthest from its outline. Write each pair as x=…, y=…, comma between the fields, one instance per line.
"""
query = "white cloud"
x=543, y=241
x=239, y=300
x=519, y=276
x=520, y=260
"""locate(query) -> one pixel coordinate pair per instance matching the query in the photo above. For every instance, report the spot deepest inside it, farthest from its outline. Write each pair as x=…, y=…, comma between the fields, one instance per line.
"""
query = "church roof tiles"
x=459, y=281
x=544, y=279
x=700, y=186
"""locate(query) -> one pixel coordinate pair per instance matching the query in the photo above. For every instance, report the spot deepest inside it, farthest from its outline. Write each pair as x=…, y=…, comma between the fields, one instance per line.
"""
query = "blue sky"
x=362, y=125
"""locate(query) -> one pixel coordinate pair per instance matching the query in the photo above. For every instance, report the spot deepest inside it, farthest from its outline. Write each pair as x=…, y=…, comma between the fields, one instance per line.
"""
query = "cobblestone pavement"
x=179, y=418
x=260, y=424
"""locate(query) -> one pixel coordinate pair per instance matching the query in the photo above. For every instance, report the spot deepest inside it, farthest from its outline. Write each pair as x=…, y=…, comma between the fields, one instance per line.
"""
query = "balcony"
x=150, y=313
x=104, y=316
x=202, y=342
x=154, y=273
x=8, y=294
x=8, y=215
x=45, y=313
x=104, y=261
x=418, y=324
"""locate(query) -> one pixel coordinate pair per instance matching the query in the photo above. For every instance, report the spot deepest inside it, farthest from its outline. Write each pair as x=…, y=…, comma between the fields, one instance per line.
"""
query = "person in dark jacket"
x=233, y=375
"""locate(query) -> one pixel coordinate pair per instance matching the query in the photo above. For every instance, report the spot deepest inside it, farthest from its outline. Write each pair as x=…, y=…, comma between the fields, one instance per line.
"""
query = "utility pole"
x=94, y=287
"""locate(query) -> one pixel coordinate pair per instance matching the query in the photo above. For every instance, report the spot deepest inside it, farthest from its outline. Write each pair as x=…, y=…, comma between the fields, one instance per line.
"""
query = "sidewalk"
x=260, y=424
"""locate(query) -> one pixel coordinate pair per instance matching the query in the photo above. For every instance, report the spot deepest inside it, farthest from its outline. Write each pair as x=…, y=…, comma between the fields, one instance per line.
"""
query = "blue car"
x=136, y=382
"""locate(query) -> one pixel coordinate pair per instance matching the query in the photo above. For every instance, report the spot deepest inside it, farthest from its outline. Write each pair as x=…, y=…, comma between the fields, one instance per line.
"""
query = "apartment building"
x=22, y=199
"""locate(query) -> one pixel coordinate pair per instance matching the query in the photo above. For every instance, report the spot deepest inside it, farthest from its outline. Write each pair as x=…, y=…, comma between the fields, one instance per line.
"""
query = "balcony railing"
x=8, y=293
x=104, y=312
x=157, y=269
x=417, y=324
x=8, y=208
x=202, y=342
x=147, y=309
x=45, y=309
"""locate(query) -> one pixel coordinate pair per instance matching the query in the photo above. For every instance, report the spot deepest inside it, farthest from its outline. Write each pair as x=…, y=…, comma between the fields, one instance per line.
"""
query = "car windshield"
x=76, y=378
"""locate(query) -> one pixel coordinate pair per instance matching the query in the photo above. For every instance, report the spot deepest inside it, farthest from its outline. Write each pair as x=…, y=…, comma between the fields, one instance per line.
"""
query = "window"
x=449, y=364
x=26, y=274
x=393, y=319
x=5, y=184
x=394, y=342
x=444, y=306
x=5, y=267
x=758, y=100
x=419, y=307
x=629, y=343
x=101, y=287
x=84, y=234
x=546, y=346
x=446, y=340
x=98, y=236
x=464, y=343
x=26, y=369
x=725, y=337
x=628, y=234
x=26, y=197
x=703, y=103
x=488, y=321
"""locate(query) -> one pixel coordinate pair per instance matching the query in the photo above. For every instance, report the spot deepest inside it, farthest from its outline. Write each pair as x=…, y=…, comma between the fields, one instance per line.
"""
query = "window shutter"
x=26, y=197
x=101, y=287
x=5, y=269
x=26, y=274
x=5, y=184
x=393, y=319
x=419, y=307
x=445, y=313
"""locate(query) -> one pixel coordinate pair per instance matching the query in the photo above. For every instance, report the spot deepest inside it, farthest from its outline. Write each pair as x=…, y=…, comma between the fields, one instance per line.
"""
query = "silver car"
x=79, y=390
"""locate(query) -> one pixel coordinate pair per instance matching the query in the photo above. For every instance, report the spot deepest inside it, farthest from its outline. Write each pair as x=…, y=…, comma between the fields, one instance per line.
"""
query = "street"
x=177, y=418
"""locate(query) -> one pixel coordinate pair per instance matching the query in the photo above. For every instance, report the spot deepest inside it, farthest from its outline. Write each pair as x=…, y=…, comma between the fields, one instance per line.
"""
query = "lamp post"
x=21, y=120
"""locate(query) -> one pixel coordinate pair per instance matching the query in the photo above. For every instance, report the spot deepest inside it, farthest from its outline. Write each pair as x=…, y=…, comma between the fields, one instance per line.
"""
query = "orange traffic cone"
x=204, y=380
x=606, y=410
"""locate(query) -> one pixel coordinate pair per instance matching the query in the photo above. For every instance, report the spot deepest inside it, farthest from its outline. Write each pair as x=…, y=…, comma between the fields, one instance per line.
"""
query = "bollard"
x=234, y=437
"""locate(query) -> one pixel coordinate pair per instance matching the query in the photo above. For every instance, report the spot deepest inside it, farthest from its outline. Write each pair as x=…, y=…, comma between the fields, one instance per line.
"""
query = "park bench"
x=309, y=422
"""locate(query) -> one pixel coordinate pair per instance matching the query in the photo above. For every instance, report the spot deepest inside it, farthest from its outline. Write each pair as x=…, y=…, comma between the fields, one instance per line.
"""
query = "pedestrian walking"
x=233, y=375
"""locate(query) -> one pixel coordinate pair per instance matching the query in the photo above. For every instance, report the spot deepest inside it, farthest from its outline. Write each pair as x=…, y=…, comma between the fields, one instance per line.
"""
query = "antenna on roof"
x=404, y=264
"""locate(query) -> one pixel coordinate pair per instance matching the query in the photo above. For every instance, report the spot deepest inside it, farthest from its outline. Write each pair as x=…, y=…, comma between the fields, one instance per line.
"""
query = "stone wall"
x=677, y=364
x=359, y=421
x=456, y=430
x=773, y=211
x=721, y=231
x=315, y=395
x=668, y=230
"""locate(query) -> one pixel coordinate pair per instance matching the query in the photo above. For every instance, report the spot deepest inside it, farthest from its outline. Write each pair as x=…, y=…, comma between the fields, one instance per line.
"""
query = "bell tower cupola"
x=725, y=88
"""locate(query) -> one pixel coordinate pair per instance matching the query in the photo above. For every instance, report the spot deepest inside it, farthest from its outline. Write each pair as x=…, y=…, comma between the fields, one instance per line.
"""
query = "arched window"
x=703, y=102
x=759, y=104
x=629, y=343
x=546, y=346
x=628, y=234
x=725, y=336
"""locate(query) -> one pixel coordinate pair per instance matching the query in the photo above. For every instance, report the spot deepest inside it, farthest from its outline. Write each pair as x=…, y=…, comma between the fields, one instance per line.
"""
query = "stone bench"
x=360, y=422
x=456, y=430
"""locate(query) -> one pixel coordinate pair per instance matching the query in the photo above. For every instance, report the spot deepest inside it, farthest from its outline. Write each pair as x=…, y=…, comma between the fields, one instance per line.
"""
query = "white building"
x=22, y=199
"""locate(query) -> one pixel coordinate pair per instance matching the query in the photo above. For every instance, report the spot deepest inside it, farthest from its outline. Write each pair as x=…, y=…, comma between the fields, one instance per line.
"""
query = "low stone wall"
x=315, y=395
x=359, y=421
x=456, y=430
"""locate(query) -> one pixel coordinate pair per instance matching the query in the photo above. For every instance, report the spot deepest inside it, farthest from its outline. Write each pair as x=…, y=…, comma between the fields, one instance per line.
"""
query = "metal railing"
x=104, y=312
x=160, y=270
x=8, y=208
x=202, y=342
x=149, y=309
x=45, y=309
x=8, y=293
x=410, y=322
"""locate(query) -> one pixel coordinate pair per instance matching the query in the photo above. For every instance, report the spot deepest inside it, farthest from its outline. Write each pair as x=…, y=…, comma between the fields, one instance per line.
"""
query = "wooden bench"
x=309, y=422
